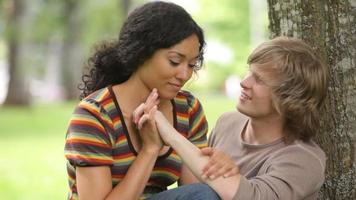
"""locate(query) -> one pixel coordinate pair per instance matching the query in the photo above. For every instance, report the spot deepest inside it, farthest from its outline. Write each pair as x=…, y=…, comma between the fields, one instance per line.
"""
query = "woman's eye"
x=174, y=63
x=192, y=65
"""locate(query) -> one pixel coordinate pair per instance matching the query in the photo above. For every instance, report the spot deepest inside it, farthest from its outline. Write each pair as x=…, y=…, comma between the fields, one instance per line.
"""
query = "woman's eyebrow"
x=181, y=55
x=176, y=52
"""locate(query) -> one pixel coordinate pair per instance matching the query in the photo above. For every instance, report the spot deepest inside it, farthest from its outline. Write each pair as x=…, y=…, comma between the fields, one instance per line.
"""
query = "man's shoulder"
x=229, y=124
x=306, y=153
x=234, y=117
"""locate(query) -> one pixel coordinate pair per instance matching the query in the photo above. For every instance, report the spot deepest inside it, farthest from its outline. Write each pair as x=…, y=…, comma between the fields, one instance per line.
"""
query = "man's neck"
x=263, y=130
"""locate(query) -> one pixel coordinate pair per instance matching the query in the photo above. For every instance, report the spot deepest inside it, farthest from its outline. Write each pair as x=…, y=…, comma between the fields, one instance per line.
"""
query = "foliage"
x=225, y=22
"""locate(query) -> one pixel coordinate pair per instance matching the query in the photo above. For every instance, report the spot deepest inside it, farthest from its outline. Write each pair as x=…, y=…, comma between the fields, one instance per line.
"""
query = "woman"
x=159, y=46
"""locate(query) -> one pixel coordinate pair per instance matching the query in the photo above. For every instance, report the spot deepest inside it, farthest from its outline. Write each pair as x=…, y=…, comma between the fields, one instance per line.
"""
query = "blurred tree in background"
x=17, y=15
x=48, y=41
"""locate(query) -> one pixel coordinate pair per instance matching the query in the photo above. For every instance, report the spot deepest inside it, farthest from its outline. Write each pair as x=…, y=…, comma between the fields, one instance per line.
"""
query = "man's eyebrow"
x=256, y=74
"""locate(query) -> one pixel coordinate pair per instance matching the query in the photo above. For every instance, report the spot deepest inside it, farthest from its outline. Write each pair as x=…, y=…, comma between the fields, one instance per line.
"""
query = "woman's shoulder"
x=98, y=100
x=183, y=94
x=98, y=95
x=189, y=98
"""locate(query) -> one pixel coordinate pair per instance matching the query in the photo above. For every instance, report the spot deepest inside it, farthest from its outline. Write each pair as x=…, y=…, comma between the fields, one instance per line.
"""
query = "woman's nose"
x=184, y=73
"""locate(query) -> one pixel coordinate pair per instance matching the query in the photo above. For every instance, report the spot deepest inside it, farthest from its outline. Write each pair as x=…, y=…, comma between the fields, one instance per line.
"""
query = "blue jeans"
x=198, y=191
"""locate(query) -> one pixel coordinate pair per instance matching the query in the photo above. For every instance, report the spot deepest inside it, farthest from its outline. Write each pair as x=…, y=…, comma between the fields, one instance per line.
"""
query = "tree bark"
x=18, y=88
x=330, y=27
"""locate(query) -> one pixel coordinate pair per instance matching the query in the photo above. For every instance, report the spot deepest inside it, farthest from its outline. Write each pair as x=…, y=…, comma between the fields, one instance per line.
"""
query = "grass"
x=32, y=164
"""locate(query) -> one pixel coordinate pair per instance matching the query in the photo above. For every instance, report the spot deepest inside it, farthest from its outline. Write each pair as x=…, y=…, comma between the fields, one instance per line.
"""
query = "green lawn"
x=32, y=165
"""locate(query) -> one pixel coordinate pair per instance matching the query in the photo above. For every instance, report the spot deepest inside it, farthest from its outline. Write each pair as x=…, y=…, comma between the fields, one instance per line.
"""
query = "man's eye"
x=259, y=80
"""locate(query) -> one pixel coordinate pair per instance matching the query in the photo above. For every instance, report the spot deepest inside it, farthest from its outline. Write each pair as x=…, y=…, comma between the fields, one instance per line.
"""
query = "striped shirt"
x=97, y=136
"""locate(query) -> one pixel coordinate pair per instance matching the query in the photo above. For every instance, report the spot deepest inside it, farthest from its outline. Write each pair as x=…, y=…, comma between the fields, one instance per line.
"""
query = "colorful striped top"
x=97, y=135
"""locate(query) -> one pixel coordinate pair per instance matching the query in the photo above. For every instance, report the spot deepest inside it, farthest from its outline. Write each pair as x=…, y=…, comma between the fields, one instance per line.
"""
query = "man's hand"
x=219, y=164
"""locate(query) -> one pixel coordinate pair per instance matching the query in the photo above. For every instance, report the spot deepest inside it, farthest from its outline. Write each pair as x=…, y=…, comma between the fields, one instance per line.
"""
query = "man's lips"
x=244, y=96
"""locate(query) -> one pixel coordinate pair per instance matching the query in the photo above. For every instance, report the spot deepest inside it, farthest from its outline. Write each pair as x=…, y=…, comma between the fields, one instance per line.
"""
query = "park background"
x=54, y=39
x=44, y=44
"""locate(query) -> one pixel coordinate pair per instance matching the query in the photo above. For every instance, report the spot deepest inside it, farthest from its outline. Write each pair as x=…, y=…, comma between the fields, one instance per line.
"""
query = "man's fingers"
x=207, y=151
x=212, y=170
x=211, y=162
x=232, y=172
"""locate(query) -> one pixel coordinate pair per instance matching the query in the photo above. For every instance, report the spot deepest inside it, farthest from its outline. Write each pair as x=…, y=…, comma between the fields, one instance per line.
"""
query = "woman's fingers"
x=152, y=100
x=147, y=117
x=152, y=113
x=142, y=121
x=138, y=112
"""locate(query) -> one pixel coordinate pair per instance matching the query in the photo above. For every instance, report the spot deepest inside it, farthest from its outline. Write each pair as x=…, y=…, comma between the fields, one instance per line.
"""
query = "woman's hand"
x=143, y=118
x=219, y=164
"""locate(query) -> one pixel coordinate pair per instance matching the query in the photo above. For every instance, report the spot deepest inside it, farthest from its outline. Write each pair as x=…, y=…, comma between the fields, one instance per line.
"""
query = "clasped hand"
x=143, y=118
x=155, y=130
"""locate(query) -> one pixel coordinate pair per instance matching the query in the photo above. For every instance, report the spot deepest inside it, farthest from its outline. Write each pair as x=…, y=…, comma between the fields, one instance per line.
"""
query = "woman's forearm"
x=195, y=160
x=95, y=182
x=135, y=180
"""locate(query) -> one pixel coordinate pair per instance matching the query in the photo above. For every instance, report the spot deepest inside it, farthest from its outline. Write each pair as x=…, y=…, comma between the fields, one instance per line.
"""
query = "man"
x=269, y=136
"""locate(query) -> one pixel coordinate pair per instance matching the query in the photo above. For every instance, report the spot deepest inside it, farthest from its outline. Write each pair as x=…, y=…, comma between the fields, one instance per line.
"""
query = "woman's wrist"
x=151, y=150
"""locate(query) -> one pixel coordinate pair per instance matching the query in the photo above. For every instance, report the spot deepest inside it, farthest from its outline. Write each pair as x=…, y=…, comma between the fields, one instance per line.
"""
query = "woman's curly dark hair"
x=153, y=26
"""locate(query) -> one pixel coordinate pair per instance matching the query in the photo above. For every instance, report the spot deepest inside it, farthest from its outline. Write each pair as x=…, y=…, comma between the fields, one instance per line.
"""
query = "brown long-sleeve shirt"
x=270, y=171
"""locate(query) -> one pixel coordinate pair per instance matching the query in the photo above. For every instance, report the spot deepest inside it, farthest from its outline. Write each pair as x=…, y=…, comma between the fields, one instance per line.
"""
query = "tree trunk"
x=125, y=6
x=330, y=27
x=18, y=88
x=72, y=52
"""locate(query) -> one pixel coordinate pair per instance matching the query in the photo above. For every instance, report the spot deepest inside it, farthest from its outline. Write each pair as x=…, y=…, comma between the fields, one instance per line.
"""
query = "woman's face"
x=169, y=69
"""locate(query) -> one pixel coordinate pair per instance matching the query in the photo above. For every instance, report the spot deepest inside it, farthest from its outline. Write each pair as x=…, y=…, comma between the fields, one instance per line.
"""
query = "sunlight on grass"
x=32, y=163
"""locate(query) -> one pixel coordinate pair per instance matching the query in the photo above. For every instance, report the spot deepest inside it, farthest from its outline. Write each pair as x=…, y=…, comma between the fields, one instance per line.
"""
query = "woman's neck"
x=131, y=93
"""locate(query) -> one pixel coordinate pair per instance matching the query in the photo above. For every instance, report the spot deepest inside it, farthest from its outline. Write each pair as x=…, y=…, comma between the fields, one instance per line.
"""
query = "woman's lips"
x=176, y=86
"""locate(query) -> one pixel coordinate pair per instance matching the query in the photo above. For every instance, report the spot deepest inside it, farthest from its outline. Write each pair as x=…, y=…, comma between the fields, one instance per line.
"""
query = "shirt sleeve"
x=293, y=174
x=87, y=141
x=212, y=138
x=197, y=122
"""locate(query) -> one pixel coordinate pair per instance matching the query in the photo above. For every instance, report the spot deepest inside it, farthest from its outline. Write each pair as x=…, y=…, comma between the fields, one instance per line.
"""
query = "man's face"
x=255, y=100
